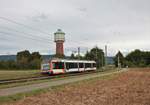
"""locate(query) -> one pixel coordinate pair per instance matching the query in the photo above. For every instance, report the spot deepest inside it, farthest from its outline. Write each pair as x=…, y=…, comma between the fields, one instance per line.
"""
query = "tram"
x=61, y=66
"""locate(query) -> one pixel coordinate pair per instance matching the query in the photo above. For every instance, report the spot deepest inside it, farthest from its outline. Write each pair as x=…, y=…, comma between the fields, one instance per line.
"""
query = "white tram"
x=60, y=66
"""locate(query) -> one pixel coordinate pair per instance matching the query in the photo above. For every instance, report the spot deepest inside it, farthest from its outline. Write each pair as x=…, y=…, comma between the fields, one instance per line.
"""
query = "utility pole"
x=96, y=56
x=102, y=59
x=78, y=52
x=105, y=55
x=118, y=61
x=96, y=53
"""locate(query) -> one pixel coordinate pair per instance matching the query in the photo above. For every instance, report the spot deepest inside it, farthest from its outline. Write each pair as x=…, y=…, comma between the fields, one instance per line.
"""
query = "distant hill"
x=47, y=57
x=110, y=60
x=7, y=57
x=13, y=57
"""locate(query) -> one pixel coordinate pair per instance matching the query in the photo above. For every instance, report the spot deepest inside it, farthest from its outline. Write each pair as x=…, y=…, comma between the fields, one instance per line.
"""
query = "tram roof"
x=66, y=60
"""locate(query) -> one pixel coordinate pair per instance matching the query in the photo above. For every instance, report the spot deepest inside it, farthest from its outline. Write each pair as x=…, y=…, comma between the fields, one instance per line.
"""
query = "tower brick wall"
x=59, y=48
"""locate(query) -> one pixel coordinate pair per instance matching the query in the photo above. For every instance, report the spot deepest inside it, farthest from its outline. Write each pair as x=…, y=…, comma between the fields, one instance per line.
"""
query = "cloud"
x=122, y=24
x=40, y=17
x=82, y=9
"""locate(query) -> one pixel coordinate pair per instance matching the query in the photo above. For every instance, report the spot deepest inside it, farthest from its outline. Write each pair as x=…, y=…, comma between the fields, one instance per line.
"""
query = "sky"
x=30, y=24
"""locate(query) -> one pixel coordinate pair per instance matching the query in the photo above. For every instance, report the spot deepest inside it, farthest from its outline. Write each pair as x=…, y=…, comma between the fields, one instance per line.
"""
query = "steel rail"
x=46, y=77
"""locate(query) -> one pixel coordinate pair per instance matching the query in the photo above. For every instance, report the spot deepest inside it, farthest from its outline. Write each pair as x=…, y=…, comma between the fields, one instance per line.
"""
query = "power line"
x=31, y=35
x=4, y=38
x=77, y=42
x=29, y=27
x=24, y=36
x=8, y=34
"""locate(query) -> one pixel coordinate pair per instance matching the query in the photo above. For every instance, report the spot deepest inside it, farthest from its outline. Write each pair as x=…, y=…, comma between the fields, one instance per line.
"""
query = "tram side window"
x=71, y=65
x=94, y=64
x=87, y=65
x=67, y=65
x=58, y=65
x=81, y=65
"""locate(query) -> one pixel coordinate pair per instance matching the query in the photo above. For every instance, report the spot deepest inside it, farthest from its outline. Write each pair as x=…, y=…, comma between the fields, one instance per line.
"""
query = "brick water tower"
x=59, y=38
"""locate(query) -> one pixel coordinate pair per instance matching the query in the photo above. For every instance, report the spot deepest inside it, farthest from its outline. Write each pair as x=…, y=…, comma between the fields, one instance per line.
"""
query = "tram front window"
x=45, y=66
x=58, y=65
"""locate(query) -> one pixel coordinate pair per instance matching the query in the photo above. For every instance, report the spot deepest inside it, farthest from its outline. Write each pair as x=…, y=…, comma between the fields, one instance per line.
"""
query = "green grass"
x=2, y=86
x=19, y=96
x=58, y=77
x=14, y=74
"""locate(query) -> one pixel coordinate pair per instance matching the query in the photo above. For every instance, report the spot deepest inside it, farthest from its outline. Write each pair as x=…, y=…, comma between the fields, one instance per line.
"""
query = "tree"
x=35, y=55
x=97, y=55
x=119, y=59
x=88, y=56
x=23, y=59
x=35, y=60
x=138, y=58
x=72, y=56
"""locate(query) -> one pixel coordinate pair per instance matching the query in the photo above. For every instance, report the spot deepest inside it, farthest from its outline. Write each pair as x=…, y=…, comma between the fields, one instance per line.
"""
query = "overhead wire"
x=18, y=23
x=31, y=28
x=10, y=35
x=34, y=29
x=30, y=35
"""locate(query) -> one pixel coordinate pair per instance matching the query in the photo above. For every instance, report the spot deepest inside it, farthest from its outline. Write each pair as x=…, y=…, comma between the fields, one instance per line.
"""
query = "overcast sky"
x=121, y=24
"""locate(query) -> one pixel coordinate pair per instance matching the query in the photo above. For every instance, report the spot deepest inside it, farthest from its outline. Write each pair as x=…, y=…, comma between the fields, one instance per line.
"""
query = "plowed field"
x=128, y=88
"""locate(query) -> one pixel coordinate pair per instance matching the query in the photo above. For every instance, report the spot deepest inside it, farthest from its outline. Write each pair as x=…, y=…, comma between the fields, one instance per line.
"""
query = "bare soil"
x=128, y=88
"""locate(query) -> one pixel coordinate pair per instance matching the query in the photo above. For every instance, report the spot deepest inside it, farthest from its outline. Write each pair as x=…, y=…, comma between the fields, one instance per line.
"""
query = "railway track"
x=8, y=81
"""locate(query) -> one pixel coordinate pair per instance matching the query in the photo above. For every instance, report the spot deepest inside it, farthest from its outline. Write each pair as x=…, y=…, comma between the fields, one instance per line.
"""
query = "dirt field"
x=129, y=88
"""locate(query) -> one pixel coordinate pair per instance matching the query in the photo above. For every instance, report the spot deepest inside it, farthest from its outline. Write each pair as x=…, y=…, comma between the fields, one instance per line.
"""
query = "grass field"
x=14, y=74
x=29, y=73
x=128, y=88
x=19, y=96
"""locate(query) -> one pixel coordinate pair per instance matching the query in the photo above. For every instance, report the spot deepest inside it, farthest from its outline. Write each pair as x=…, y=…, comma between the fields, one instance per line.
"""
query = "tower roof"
x=59, y=31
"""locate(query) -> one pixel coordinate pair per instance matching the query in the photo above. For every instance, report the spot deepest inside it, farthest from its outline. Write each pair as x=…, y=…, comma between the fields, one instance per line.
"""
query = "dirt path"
x=129, y=88
x=21, y=89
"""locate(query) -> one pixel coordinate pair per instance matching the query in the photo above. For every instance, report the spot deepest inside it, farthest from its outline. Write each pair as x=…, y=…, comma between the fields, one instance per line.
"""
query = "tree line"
x=27, y=60
x=136, y=58
x=24, y=60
